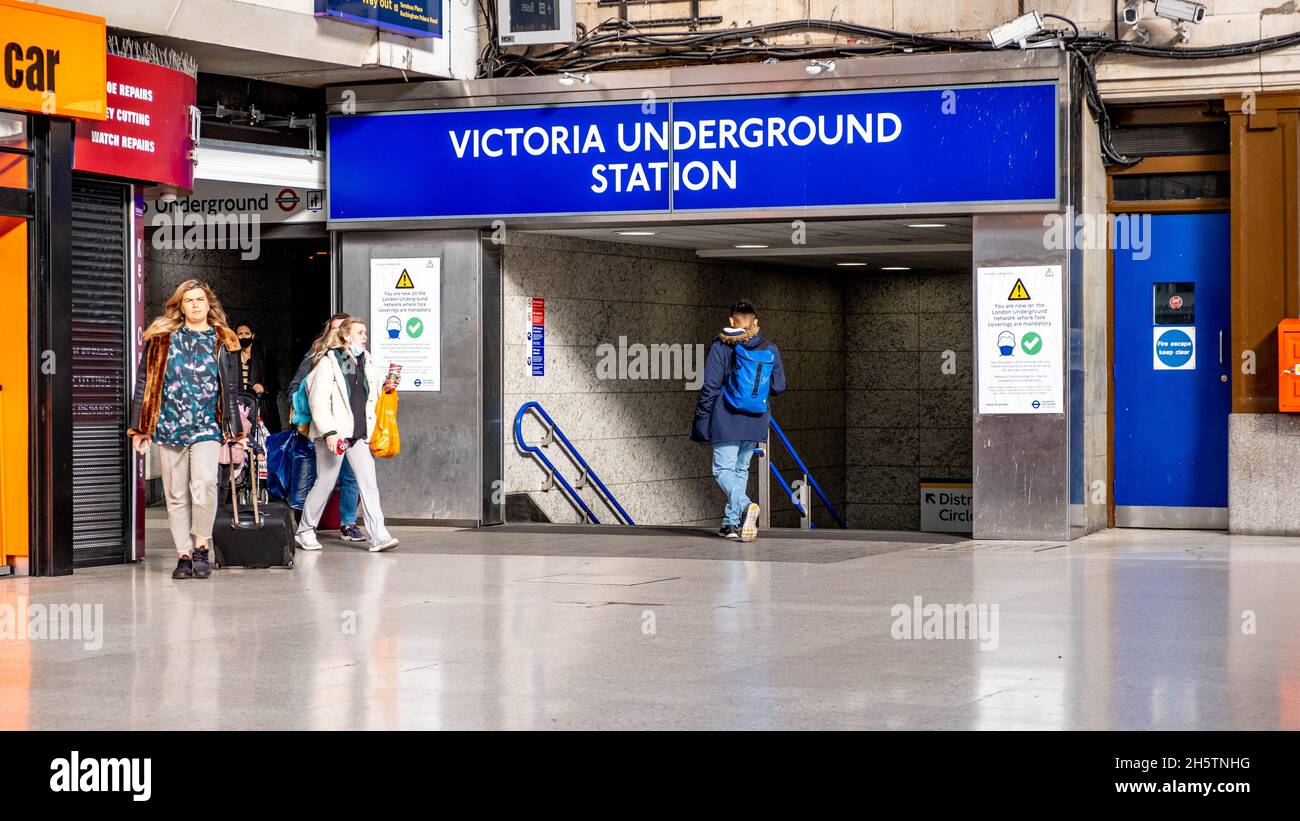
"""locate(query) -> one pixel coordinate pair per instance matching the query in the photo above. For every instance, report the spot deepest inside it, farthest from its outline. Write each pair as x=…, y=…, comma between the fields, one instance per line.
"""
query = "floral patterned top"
x=190, y=390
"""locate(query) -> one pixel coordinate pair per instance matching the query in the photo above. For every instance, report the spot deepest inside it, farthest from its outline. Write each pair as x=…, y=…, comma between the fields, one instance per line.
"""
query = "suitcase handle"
x=250, y=465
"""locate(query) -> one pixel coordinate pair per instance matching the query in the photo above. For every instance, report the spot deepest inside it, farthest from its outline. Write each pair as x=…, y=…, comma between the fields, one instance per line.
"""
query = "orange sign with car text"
x=52, y=61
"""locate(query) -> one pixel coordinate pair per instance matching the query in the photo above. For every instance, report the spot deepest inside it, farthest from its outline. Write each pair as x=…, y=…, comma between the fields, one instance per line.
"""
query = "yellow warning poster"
x=405, y=319
x=1020, y=339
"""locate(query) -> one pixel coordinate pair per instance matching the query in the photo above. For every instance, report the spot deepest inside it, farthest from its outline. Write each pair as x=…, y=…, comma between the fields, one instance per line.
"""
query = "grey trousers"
x=189, y=477
x=328, y=465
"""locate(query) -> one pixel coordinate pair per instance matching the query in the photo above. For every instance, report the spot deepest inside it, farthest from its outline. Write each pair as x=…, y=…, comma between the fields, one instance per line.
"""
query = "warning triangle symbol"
x=405, y=280
x=1018, y=292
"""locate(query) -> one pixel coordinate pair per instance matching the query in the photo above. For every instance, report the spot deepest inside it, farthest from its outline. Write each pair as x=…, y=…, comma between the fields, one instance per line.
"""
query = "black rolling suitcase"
x=264, y=539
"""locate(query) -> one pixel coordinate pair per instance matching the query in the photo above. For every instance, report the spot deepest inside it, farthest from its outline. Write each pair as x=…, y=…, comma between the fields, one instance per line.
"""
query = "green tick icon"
x=1031, y=343
x=414, y=327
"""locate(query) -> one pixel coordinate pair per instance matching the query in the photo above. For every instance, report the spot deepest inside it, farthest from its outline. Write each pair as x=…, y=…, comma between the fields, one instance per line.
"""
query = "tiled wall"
x=634, y=432
x=907, y=421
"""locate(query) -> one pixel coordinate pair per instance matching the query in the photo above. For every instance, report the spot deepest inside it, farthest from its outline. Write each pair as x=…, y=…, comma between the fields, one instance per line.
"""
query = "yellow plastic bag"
x=386, y=442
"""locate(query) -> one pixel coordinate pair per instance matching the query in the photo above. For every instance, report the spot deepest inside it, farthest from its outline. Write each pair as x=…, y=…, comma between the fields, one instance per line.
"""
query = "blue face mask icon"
x=1006, y=343
x=393, y=326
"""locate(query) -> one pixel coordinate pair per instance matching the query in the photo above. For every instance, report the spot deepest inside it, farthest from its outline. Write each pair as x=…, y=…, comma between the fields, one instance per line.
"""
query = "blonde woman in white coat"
x=342, y=390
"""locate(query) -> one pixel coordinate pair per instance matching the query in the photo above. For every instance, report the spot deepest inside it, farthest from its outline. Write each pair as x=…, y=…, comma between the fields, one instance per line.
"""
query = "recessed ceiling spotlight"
x=635, y=233
x=742, y=247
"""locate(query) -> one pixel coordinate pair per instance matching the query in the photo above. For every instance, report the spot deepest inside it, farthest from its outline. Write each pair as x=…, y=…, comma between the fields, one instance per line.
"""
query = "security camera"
x=1017, y=31
x=1181, y=10
x=1132, y=12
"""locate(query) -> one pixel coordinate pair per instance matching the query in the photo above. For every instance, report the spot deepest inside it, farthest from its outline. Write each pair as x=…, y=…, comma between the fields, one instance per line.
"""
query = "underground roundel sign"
x=1175, y=348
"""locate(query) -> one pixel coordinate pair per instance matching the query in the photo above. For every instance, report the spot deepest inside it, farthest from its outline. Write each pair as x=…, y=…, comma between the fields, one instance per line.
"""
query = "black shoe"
x=202, y=567
x=351, y=533
x=729, y=532
x=184, y=568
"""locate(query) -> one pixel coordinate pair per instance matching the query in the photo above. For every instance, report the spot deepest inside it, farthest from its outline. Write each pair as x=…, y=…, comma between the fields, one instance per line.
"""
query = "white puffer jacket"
x=327, y=393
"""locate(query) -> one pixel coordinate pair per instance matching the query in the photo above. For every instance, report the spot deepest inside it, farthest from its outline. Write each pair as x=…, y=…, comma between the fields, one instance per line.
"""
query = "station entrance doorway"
x=873, y=321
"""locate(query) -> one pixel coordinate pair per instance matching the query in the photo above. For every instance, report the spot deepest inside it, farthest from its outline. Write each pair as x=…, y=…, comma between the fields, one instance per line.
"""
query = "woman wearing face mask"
x=256, y=378
x=343, y=388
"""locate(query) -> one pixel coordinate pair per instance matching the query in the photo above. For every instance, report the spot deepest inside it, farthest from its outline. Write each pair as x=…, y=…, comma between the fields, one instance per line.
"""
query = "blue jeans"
x=731, y=469
x=348, y=495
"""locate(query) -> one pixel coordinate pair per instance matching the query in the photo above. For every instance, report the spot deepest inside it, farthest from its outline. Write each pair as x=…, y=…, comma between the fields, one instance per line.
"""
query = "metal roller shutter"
x=99, y=390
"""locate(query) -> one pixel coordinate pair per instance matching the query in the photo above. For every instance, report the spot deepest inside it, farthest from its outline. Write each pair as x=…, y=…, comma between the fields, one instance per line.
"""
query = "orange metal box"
x=1288, y=359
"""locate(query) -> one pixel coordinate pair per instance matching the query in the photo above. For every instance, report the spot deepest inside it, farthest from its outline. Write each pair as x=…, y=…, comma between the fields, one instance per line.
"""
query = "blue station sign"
x=413, y=18
x=959, y=146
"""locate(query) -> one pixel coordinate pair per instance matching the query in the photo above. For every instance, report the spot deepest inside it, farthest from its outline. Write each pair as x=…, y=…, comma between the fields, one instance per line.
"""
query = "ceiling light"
x=928, y=225
x=850, y=264
x=750, y=246
x=568, y=79
x=895, y=268
x=635, y=233
x=816, y=67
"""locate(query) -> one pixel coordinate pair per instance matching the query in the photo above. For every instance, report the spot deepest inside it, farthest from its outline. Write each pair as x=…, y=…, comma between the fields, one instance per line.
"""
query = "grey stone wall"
x=1263, y=450
x=907, y=420
x=634, y=432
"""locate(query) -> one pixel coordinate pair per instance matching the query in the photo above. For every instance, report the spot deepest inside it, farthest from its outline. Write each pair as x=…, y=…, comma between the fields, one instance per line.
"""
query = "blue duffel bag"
x=291, y=467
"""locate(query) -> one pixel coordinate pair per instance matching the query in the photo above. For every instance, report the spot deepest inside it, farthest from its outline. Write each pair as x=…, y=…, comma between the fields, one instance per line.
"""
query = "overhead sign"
x=946, y=507
x=963, y=145
x=51, y=61
x=147, y=133
x=1174, y=348
x=1020, y=339
x=405, y=311
x=413, y=18
x=234, y=199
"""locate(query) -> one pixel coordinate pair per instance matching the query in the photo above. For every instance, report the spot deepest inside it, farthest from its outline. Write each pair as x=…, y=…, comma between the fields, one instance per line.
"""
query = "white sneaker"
x=382, y=546
x=306, y=540
x=749, y=524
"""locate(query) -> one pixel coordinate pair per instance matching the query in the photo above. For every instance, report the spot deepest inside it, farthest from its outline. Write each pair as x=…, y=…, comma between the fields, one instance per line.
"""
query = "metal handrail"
x=835, y=514
x=553, y=473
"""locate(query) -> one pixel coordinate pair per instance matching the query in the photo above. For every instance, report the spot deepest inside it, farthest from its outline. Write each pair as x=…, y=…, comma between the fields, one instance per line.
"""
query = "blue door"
x=1172, y=374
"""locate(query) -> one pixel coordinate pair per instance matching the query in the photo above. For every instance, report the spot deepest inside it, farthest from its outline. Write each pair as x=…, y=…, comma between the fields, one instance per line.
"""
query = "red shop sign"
x=146, y=135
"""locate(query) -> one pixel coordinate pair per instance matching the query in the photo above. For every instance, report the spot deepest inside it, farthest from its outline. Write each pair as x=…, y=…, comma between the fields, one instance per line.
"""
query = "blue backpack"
x=301, y=413
x=750, y=380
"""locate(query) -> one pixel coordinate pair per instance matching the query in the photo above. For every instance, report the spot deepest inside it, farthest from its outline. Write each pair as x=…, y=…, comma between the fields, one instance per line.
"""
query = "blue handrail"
x=835, y=514
x=569, y=490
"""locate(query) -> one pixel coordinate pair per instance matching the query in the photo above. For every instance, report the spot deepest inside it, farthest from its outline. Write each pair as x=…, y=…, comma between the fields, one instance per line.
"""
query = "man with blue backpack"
x=742, y=371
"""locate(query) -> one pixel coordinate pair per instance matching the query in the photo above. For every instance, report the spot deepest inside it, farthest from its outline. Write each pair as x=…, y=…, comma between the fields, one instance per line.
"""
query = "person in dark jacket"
x=735, y=433
x=186, y=402
x=257, y=377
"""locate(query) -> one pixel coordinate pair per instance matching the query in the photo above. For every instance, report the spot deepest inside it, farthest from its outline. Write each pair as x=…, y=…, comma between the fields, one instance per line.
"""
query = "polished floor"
x=610, y=629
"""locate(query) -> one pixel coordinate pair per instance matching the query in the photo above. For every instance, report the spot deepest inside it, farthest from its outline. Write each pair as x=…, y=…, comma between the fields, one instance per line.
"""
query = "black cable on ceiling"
x=635, y=47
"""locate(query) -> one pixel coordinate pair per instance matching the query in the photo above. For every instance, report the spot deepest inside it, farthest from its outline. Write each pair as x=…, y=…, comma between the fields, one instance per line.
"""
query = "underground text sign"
x=959, y=145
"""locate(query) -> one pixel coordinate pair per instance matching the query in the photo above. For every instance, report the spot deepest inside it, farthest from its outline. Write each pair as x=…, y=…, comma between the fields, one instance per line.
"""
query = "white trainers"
x=382, y=546
x=749, y=524
x=306, y=540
